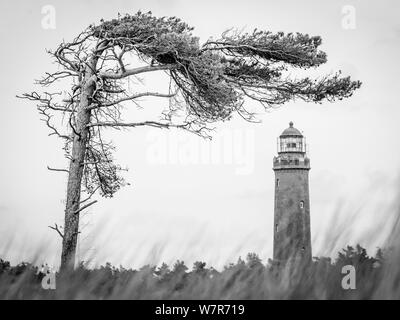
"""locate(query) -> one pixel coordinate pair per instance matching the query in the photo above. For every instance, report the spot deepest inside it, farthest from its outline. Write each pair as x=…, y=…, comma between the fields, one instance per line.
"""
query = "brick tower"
x=292, y=235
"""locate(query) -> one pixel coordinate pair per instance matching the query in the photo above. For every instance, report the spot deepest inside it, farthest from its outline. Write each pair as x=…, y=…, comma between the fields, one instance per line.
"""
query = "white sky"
x=181, y=206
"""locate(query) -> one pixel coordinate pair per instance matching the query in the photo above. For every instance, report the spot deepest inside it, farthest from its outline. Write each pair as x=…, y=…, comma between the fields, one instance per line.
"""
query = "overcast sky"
x=186, y=202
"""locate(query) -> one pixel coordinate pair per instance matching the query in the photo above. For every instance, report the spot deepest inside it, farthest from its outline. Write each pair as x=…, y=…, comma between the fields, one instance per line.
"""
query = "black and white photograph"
x=217, y=152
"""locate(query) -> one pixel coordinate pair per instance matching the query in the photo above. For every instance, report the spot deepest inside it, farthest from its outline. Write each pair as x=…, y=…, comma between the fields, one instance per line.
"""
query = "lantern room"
x=291, y=140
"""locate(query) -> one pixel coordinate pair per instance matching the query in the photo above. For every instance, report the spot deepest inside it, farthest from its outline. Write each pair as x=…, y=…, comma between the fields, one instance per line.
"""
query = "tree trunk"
x=79, y=147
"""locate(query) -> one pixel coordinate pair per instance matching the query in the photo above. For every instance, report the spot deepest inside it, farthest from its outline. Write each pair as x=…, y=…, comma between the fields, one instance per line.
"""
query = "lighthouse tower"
x=292, y=236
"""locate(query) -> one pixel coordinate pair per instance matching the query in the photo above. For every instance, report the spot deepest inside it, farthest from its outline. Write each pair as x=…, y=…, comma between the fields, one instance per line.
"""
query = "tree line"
x=248, y=278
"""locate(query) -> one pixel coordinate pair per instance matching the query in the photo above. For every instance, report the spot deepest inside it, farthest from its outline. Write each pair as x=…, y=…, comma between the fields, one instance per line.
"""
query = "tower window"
x=277, y=182
x=276, y=228
x=301, y=204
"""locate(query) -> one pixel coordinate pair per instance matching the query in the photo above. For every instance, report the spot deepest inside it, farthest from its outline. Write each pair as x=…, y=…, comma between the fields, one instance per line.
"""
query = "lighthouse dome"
x=291, y=131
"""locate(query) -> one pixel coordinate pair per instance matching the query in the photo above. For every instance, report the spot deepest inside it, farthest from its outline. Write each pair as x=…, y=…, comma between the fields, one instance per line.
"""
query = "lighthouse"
x=292, y=235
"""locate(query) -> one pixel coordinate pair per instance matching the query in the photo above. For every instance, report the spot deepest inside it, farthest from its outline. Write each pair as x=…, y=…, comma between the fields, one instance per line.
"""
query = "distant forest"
x=246, y=279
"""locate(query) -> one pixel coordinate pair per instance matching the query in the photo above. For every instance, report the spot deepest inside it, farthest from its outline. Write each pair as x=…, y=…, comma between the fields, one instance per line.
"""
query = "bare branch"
x=42, y=111
x=131, y=72
x=56, y=228
x=53, y=77
x=139, y=95
x=53, y=169
x=119, y=58
x=46, y=101
x=85, y=206
x=139, y=124
x=90, y=195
